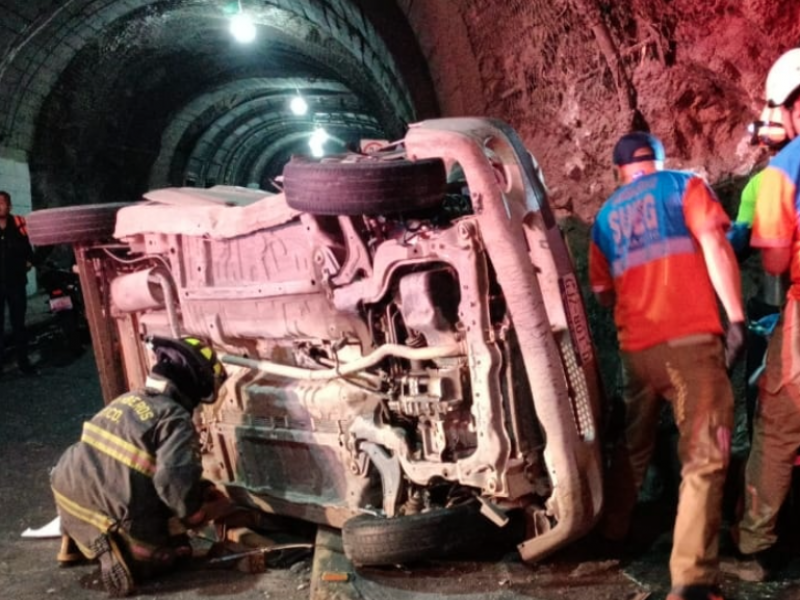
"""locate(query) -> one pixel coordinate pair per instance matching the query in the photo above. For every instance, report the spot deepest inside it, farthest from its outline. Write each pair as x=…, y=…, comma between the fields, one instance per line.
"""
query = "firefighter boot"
x=68, y=554
x=116, y=573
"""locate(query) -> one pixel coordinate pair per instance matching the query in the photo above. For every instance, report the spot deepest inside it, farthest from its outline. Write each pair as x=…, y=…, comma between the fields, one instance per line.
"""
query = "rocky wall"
x=691, y=72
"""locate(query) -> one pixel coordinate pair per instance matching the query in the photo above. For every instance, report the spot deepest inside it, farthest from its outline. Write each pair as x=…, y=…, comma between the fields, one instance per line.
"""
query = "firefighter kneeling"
x=137, y=466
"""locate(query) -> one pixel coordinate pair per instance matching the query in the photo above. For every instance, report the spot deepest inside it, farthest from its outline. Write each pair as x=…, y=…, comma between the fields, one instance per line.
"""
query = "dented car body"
x=385, y=359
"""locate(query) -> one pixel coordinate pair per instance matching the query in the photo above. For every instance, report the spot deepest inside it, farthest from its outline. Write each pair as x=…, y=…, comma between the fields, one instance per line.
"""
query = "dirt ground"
x=42, y=415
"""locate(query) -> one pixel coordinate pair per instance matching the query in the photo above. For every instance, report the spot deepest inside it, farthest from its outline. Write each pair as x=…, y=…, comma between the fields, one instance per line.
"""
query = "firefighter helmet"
x=783, y=79
x=191, y=364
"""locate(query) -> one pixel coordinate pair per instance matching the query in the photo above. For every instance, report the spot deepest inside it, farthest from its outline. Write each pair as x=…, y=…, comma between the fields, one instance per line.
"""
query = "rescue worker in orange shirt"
x=776, y=431
x=660, y=257
x=137, y=466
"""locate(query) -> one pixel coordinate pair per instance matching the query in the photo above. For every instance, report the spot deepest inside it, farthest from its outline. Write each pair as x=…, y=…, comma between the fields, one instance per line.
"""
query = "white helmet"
x=784, y=77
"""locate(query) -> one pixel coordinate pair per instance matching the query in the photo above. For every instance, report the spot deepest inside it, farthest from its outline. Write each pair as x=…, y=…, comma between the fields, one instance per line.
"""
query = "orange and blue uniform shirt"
x=644, y=248
x=775, y=224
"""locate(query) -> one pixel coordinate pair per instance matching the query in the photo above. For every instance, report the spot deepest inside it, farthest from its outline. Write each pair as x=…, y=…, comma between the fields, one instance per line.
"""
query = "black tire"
x=370, y=187
x=443, y=533
x=70, y=224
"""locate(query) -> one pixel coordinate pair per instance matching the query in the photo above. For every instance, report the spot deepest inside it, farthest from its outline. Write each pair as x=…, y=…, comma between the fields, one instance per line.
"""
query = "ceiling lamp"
x=242, y=27
x=298, y=105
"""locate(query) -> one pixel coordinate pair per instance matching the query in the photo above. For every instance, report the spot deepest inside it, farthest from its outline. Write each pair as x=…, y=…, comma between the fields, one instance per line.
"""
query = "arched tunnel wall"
x=92, y=90
x=89, y=87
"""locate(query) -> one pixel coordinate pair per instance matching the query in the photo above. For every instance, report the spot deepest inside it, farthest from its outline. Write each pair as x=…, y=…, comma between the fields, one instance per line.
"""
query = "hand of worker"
x=212, y=493
x=217, y=505
x=735, y=342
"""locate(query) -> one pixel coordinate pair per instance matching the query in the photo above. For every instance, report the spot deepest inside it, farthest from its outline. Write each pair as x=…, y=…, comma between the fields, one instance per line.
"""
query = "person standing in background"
x=16, y=259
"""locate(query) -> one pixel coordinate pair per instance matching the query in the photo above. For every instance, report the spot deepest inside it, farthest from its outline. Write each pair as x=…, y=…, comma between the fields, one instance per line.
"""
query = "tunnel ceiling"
x=108, y=98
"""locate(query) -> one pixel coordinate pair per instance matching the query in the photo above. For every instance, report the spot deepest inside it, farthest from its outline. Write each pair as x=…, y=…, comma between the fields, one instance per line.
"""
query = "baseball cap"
x=629, y=148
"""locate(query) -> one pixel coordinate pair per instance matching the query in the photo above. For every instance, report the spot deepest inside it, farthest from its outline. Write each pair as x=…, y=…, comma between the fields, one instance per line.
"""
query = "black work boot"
x=116, y=573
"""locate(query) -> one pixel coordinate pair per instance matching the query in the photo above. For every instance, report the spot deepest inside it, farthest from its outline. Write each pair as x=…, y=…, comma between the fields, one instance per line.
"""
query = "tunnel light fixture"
x=317, y=142
x=298, y=105
x=320, y=136
x=242, y=27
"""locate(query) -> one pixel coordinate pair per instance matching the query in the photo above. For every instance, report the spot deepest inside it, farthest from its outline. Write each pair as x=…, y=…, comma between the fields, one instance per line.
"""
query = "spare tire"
x=70, y=224
x=370, y=187
x=459, y=531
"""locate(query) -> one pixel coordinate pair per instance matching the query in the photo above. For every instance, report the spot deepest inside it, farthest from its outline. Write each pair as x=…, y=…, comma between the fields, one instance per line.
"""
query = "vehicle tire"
x=370, y=187
x=70, y=224
x=440, y=533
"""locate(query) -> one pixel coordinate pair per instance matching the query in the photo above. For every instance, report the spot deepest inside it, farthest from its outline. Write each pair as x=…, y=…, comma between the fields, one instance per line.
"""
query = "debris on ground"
x=300, y=567
x=592, y=568
x=51, y=530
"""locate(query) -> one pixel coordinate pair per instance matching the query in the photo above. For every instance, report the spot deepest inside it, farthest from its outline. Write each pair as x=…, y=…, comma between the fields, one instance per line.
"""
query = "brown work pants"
x=690, y=374
x=776, y=436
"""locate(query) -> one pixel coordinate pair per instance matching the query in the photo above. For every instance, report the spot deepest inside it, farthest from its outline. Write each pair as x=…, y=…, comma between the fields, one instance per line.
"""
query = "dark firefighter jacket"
x=15, y=253
x=137, y=464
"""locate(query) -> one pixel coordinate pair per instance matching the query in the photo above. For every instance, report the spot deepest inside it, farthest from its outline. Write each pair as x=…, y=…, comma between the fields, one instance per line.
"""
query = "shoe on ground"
x=695, y=592
x=69, y=555
x=115, y=572
x=755, y=568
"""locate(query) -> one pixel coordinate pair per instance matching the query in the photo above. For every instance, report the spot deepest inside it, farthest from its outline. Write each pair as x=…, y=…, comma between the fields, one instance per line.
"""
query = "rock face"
x=573, y=75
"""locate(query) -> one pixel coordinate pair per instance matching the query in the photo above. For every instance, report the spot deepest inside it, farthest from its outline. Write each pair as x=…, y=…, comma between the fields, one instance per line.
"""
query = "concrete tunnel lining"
x=73, y=74
x=32, y=64
x=232, y=127
x=180, y=137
